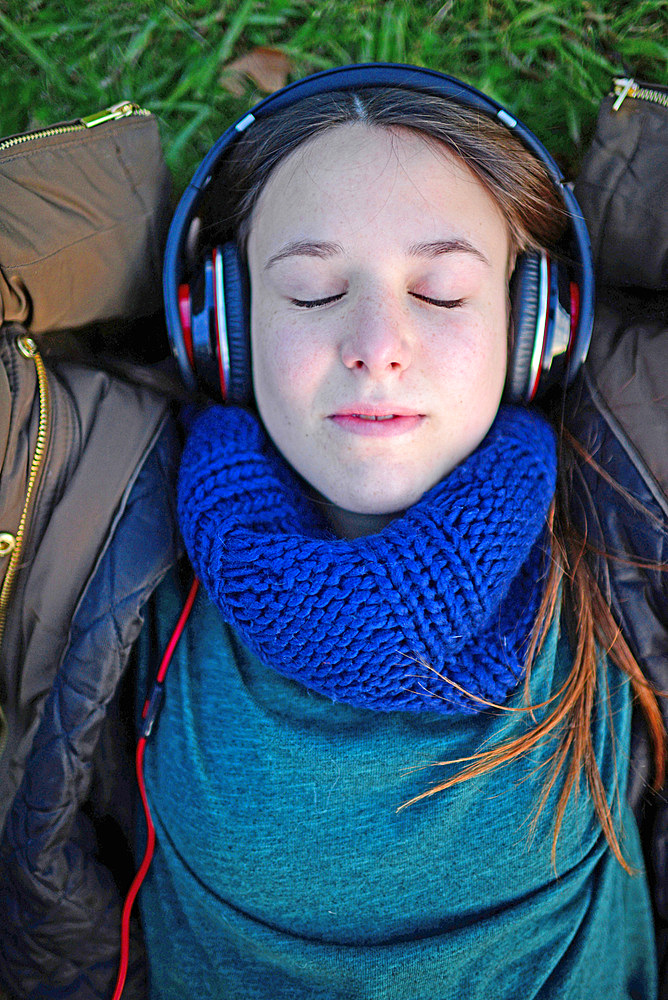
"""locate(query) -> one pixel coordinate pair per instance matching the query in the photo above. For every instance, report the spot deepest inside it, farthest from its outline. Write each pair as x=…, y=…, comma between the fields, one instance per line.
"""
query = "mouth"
x=381, y=420
x=370, y=416
x=386, y=411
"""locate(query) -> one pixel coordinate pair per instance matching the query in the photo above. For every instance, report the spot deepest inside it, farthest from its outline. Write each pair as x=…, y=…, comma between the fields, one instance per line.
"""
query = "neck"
x=349, y=524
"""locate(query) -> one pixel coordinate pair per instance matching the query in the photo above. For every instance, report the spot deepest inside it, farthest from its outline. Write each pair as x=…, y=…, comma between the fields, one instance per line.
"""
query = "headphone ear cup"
x=236, y=306
x=203, y=326
x=526, y=295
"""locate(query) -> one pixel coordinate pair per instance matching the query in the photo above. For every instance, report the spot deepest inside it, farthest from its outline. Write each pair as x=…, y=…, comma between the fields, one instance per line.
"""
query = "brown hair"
x=536, y=217
x=515, y=178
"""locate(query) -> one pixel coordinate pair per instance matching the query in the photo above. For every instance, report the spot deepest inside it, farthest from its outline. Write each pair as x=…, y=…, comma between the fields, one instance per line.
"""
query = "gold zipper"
x=28, y=349
x=627, y=87
x=124, y=109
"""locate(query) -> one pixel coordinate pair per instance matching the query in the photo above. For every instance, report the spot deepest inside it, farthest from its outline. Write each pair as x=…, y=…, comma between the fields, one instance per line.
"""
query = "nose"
x=378, y=338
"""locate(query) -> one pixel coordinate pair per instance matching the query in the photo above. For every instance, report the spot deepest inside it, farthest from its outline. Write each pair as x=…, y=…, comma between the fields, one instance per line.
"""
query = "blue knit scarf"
x=447, y=592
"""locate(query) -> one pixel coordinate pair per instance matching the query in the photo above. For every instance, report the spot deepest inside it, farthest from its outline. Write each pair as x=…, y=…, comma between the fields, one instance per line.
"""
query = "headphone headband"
x=356, y=77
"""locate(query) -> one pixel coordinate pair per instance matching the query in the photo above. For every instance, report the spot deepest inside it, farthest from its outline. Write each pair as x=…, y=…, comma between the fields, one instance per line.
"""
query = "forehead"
x=356, y=177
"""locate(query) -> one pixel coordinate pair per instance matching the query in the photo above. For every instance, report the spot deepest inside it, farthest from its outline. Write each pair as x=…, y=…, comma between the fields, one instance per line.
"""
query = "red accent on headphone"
x=575, y=313
x=185, y=315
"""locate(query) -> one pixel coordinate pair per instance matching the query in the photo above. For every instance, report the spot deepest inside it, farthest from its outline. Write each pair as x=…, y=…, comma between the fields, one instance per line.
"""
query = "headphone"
x=207, y=305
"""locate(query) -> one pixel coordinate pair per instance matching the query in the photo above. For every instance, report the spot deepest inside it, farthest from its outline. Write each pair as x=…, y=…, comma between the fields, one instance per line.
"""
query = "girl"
x=392, y=760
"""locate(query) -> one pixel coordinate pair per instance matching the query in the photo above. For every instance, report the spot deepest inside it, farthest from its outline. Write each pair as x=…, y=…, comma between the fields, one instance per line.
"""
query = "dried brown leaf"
x=267, y=68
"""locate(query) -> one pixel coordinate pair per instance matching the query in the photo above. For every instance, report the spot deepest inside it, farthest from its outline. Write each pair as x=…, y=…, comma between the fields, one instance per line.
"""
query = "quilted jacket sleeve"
x=60, y=904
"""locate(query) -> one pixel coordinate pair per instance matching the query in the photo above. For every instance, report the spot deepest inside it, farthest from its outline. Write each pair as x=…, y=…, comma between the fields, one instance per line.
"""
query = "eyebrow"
x=437, y=247
x=305, y=248
x=324, y=249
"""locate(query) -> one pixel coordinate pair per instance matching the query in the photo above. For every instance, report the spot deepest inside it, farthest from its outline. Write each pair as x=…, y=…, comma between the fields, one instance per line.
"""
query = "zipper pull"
x=7, y=543
x=623, y=87
x=26, y=346
x=120, y=110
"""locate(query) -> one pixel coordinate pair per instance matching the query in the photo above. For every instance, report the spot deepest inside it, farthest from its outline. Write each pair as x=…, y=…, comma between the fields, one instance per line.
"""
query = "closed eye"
x=441, y=303
x=313, y=303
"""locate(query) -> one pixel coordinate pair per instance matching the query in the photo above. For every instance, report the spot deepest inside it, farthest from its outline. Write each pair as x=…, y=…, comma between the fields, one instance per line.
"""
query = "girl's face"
x=379, y=321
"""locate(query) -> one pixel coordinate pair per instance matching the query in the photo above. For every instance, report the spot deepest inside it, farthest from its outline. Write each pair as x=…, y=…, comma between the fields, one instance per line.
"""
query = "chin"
x=353, y=513
x=377, y=503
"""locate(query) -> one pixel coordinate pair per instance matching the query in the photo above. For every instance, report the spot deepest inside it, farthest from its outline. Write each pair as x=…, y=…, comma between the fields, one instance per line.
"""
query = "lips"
x=377, y=421
x=384, y=411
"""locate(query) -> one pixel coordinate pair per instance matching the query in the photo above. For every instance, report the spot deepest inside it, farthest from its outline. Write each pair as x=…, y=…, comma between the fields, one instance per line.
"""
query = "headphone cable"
x=149, y=716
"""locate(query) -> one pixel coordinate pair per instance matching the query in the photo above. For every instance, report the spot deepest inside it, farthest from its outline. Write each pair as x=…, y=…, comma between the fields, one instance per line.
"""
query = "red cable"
x=138, y=879
x=149, y=715
x=180, y=625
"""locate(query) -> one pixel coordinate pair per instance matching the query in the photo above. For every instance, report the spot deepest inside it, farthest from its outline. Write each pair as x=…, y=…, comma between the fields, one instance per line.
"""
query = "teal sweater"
x=284, y=870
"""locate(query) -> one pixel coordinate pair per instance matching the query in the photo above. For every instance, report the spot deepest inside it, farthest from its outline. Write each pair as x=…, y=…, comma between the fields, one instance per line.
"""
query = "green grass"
x=549, y=62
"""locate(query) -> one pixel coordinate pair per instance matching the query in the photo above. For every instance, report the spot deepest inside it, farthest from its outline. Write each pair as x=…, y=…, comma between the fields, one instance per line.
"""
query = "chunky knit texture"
x=448, y=592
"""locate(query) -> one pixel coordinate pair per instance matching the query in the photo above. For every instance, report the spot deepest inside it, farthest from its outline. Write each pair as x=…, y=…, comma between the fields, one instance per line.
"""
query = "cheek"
x=470, y=357
x=283, y=367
